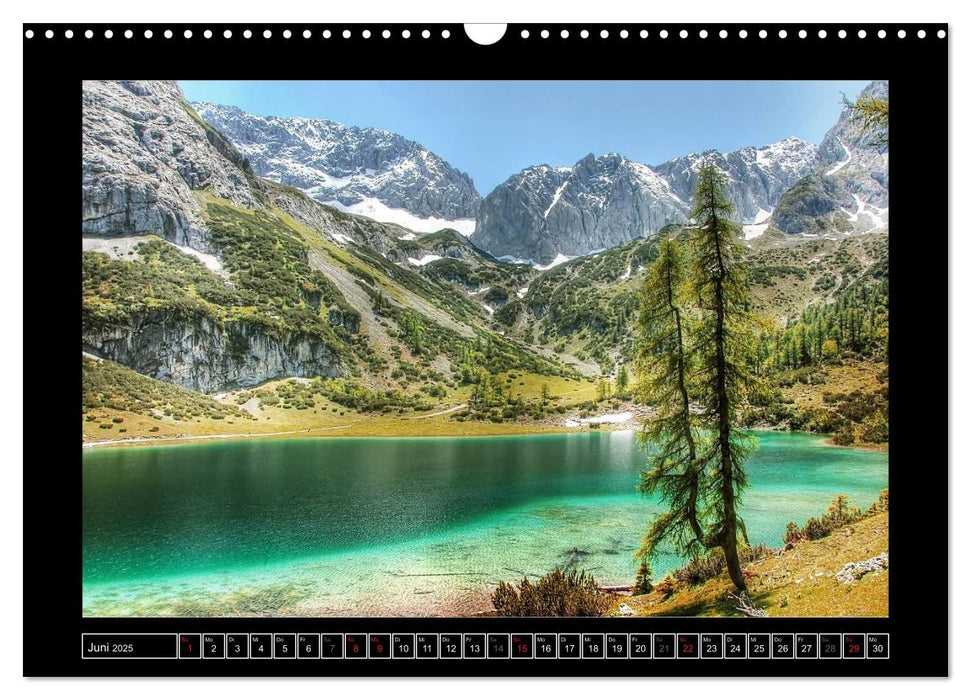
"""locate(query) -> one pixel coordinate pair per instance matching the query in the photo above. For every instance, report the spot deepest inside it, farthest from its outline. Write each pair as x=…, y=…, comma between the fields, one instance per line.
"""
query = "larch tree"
x=664, y=366
x=871, y=116
x=722, y=342
x=694, y=342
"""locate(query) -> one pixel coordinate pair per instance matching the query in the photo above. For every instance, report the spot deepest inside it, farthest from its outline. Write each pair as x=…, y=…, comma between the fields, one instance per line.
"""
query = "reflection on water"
x=398, y=526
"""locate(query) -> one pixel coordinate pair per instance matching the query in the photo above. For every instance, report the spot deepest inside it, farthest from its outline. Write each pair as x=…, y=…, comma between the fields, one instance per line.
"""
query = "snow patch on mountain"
x=126, y=248
x=558, y=260
x=876, y=215
x=758, y=226
x=424, y=260
x=843, y=163
x=556, y=198
x=375, y=209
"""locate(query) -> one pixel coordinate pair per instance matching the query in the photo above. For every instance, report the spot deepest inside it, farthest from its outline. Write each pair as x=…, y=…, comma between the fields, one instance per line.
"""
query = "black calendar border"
x=917, y=69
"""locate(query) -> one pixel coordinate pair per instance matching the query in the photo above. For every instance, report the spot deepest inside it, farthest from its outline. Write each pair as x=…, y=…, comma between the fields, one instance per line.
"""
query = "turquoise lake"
x=409, y=526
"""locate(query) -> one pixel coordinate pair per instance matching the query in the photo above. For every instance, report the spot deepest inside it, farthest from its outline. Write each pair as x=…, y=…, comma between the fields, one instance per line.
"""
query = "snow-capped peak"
x=361, y=170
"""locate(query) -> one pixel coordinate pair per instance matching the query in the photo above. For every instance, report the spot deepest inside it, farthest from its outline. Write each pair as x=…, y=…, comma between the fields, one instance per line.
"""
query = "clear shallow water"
x=413, y=526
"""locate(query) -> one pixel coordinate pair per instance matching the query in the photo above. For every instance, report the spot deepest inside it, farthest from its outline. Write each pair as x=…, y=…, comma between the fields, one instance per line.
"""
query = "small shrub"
x=792, y=533
x=882, y=505
x=557, y=594
x=845, y=435
x=711, y=564
x=814, y=529
x=666, y=587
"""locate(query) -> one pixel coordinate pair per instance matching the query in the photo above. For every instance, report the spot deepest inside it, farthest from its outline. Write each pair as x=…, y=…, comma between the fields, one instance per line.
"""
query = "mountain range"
x=545, y=214
x=358, y=170
x=223, y=250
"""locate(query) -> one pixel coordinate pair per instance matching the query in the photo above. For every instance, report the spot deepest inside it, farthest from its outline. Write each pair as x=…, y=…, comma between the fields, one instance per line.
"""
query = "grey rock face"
x=855, y=159
x=199, y=354
x=849, y=191
x=332, y=162
x=758, y=177
x=598, y=203
x=809, y=205
x=604, y=202
x=143, y=155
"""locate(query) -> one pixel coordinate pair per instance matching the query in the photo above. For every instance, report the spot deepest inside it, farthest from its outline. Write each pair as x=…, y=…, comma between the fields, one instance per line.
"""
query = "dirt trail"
x=440, y=413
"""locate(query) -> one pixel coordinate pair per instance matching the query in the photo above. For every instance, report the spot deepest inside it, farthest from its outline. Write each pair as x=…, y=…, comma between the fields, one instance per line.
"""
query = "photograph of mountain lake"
x=344, y=355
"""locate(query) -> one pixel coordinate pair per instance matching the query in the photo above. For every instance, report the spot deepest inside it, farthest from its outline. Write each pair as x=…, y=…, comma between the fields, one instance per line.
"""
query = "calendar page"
x=559, y=342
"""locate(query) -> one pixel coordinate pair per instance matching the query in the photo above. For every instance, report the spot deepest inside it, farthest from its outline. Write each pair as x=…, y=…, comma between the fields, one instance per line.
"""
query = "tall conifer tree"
x=664, y=366
x=721, y=343
x=694, y=342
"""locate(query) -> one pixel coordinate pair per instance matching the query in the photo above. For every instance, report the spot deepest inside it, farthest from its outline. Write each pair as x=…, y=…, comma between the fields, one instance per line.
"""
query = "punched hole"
x=484, y=34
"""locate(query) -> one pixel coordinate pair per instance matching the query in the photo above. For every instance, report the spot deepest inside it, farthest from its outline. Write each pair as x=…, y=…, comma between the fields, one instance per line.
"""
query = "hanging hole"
x=483, y=34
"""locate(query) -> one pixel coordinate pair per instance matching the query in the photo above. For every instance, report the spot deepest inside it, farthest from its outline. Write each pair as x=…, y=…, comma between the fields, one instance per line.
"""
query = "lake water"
x=409, y=526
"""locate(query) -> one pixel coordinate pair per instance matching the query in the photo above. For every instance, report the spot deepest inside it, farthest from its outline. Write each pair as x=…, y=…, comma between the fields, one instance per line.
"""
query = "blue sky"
x=492, y=129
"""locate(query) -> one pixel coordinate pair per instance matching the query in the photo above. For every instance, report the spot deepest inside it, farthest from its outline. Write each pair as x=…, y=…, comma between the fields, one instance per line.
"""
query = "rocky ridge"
x=360, y=170
x=143, y=155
